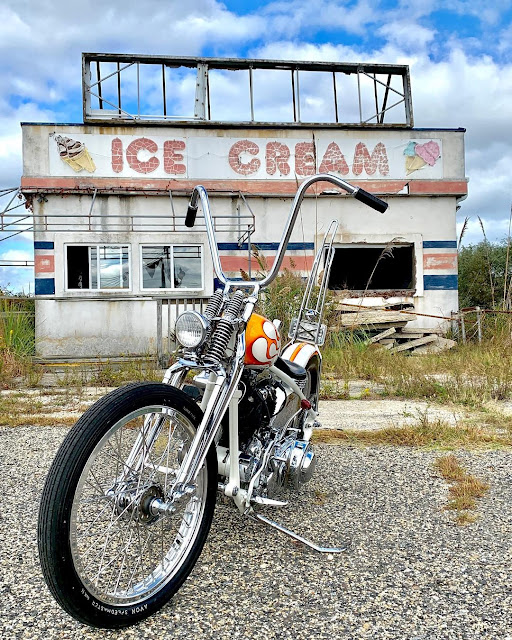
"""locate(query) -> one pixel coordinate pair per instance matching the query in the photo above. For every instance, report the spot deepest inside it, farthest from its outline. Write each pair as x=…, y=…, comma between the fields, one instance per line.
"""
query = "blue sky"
x=459, y=52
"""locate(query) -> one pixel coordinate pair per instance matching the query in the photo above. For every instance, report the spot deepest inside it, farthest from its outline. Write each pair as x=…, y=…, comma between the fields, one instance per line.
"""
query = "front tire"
x=107, y=557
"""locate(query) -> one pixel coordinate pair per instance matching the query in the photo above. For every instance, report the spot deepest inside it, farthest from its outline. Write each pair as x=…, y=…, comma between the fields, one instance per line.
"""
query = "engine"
x=270, y=449
x=257, y=405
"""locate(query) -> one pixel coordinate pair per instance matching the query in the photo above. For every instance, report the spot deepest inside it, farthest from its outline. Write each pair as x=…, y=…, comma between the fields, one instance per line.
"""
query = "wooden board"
x=370, y=328
x=440, y=344
x=363, y=318
x=414, y=343
x=408, y=336
x=423, y=330
x=382, y=334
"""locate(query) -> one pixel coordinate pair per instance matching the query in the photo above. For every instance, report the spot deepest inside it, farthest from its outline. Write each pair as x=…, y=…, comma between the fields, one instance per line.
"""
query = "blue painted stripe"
x=440, y=244
x=39, y=244
x=431, y=283
x=45, y=286
x=265, y=246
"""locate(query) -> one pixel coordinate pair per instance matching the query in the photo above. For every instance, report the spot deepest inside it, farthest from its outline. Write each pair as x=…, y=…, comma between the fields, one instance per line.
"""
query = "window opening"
x=172, y=267
x=78, y=267
x=353, y=266
x=96, y=267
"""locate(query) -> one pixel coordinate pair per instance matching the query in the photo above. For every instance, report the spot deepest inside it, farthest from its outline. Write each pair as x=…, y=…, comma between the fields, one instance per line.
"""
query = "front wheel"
x=109, y=557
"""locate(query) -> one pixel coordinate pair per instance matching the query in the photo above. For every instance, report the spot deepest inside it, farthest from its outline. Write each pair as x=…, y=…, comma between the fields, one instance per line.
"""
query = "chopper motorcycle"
x=129, y=499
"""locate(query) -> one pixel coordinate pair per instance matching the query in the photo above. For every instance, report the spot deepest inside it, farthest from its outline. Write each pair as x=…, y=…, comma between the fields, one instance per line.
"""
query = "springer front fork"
x=221, y=392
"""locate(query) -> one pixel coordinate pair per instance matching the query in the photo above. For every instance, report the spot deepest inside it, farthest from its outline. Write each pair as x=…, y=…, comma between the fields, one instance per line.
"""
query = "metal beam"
x=202, y=106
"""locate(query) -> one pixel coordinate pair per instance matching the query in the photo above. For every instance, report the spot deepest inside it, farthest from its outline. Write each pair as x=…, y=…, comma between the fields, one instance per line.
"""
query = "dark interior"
x=352, y=268
x=78, y=267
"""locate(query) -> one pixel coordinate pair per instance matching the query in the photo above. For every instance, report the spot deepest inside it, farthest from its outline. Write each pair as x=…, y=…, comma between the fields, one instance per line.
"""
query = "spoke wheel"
x=109, y=554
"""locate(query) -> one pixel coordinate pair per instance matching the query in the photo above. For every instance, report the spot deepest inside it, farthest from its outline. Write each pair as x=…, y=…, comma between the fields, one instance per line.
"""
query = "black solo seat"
x=291, y=369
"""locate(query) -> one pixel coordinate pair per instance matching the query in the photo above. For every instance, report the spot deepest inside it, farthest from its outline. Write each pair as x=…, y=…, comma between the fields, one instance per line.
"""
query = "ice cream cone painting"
x=75, y=154
x=418, y=156
x=413, y=163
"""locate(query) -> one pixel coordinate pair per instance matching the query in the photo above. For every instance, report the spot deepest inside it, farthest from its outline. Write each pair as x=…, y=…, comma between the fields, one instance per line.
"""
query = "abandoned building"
x=113, y=259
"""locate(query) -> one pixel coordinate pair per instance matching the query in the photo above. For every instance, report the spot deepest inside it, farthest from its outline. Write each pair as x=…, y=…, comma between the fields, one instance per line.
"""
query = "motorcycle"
x=129, y=499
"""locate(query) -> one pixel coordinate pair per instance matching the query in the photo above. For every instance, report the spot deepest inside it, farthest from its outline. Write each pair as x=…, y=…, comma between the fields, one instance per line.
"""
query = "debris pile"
x=387, y=327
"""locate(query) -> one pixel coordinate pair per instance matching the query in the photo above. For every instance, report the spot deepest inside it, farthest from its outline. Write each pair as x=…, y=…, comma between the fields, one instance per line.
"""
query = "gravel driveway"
x=410, y=573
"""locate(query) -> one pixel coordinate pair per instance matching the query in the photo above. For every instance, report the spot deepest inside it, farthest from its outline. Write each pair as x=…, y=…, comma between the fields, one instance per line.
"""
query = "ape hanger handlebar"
x=199, y=193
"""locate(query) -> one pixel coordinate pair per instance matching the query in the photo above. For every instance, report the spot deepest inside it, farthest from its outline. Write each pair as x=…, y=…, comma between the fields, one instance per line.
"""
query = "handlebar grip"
x=191, y=216
x=371, y=200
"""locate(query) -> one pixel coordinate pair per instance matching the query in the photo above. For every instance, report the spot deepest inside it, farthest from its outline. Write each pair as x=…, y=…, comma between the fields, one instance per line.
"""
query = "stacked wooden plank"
x=387, y=327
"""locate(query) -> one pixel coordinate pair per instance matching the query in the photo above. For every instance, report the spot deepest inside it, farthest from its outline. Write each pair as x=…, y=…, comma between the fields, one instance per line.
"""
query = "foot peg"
x=295, y=536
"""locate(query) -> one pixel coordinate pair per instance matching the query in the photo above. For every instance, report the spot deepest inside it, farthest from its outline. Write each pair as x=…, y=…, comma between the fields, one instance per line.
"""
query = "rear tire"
x=108, y=560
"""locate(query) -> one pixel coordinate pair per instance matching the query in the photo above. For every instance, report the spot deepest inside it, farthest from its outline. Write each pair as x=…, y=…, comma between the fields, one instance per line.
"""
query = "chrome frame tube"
x=312, y=414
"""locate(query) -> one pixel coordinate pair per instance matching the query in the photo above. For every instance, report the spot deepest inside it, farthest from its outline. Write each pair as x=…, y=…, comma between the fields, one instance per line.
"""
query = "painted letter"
x=132, y=155
x=363, y=160
x=277, y=156
x=171, y=158
x=244, y=168
x=305, y=158
x=334, y=160
x=117, y=155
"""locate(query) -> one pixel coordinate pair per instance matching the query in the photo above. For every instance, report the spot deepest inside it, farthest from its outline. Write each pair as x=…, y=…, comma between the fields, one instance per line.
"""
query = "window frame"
x=172, y=245
x=97, y=245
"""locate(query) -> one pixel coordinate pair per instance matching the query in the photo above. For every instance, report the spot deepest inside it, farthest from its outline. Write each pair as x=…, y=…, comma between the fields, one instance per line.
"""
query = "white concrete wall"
x=90, y=327
x=84, y=328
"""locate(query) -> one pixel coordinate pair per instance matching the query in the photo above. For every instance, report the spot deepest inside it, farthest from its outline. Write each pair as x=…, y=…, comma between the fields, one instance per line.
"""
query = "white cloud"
x=407, y=35
x=49, y=38
x=290, y=18
x=16, y=254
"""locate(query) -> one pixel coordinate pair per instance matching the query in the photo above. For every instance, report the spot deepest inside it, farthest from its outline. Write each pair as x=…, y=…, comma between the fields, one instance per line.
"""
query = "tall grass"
x=17, y=339
x=470, y=374
x=17, y=326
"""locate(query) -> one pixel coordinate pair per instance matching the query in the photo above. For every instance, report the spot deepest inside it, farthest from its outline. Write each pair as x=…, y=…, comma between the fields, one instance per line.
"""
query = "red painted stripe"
x=261, y=187
x=438, y=187
x=439, y=261
x=293, y=263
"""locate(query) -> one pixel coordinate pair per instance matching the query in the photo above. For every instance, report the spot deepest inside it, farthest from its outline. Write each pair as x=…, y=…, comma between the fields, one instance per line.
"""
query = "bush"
x=482, y=275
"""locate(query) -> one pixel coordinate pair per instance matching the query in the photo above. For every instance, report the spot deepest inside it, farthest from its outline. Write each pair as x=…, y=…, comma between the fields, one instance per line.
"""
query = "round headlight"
x=191, y=329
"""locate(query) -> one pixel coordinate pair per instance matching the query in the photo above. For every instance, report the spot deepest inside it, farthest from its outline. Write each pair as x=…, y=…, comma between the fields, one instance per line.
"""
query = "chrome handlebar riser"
x=199, y=192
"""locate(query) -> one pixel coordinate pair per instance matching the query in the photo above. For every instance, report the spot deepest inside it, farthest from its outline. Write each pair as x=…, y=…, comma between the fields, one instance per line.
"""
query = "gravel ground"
x=410, y=572
x=367, y=415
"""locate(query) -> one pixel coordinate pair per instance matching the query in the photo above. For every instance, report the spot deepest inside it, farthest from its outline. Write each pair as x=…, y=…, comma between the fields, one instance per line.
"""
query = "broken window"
x=96, y=267
x=172, y=267
x=373, y=267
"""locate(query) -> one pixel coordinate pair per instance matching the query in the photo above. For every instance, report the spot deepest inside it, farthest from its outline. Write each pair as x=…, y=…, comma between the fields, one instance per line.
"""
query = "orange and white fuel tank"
x=262, y=342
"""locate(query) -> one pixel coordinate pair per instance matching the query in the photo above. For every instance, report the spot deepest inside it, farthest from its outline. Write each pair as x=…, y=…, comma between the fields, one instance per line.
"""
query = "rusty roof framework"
x=143, y=89
x=242, y=221
x=12, y=200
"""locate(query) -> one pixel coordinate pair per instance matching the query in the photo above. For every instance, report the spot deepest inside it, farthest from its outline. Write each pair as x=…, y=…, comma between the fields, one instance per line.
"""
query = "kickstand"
x=295, y=536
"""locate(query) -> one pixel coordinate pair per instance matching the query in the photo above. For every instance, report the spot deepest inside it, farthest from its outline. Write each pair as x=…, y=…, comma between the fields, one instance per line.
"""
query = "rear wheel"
x=110, y=556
